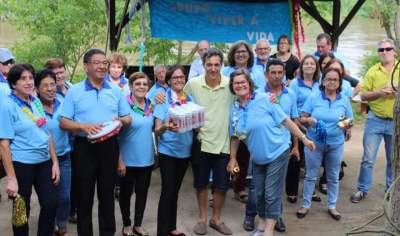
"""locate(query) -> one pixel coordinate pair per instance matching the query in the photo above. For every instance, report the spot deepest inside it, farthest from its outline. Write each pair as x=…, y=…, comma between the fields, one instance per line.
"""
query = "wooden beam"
x=335, y=23
x=119, y=29
x=311, y=9
x=350, y=16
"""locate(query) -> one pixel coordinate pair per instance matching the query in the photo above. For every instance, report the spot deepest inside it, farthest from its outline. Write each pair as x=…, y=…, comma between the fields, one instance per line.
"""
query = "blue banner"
x=219, y=21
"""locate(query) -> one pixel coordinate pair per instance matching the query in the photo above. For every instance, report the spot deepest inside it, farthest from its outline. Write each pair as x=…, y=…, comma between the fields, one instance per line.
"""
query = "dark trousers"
x=96, y=163
x=138, y=178
x=293, y=173
x=243, y=157
x=38, y=176
x=172, y=172
x=72, y=209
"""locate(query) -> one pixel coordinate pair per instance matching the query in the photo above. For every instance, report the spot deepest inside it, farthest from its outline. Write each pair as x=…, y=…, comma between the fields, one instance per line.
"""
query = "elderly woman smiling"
x=261, y=124
x=27, y=149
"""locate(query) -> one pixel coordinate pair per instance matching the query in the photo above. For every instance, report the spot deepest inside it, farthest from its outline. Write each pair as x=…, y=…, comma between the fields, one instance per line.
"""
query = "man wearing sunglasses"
x=378, y=91
x=6, y=62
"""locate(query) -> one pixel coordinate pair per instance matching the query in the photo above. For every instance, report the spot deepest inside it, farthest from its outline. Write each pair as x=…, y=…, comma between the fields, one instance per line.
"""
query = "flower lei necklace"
x=25, y=109
x=148, y=106
x=235, y=118
x=182, y=99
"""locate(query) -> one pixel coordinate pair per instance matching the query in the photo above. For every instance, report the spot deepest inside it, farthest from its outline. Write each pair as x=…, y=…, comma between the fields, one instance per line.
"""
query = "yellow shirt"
x=217, y=102
x=376, y=78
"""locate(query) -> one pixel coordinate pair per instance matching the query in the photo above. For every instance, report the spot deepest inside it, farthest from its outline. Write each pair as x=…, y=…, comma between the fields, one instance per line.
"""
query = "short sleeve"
x=294, y=113
x=349, y=109
x=231, y=128
x=67, y=110
x=160, y=111
x=367, y=81
x=123, y=106
x=6, y=125
x=278, y=115
x=308, y=105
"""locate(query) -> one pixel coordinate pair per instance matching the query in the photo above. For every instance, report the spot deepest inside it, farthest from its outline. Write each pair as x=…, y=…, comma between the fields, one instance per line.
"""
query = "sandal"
x=221, y=228
x=61, y=232
x=241, y=197
x=130, y=233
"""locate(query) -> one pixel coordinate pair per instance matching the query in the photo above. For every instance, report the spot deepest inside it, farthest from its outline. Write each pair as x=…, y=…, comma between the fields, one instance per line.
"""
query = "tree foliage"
x=57, y=28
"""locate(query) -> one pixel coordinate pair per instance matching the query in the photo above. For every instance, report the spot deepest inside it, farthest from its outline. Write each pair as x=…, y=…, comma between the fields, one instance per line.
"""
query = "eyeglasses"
x=178, y=77
x=141, y=84
x=332, y=80
x=96, y=63
x=241, y=52
x=47, y=86
x=239, y=83
x=385, y=49
x=11, y=61
x=263, y=49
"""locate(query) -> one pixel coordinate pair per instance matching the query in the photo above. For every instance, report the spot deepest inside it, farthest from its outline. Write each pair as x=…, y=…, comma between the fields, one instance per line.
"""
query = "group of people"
x=266, y=116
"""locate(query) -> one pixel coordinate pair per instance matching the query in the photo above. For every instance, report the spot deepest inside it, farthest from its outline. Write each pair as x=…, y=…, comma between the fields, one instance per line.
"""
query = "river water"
x=356, y=41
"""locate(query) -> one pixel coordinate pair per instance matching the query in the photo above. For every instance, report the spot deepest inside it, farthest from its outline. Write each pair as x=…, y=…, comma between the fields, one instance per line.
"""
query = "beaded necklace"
x=148, y=106
x=27, y=110
x=183, y=99
x=235, y=118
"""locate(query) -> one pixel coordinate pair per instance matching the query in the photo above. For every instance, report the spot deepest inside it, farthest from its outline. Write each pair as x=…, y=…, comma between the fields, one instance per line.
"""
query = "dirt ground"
x=317, y=222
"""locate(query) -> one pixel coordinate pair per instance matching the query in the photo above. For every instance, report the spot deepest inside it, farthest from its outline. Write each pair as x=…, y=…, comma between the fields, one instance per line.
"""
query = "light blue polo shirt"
x=347, y=90
x=266, y=138
x=4, y=86
x=171, y=143
x=87, y=105
x=321, y=108
x=256, y=74
x=155, y=89
x=60, y=137
x=123, y=83
x=136, y=141
x=302, y=90
x=29, y=143
x=287, y=101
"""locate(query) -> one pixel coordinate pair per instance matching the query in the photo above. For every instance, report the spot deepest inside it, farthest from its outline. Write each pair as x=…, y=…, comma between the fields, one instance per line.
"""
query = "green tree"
x=58, y=28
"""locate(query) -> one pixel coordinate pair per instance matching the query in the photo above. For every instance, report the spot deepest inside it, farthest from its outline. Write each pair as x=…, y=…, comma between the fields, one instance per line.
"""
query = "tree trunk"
x=384, y=19
x=394, y=203
x=397, y=24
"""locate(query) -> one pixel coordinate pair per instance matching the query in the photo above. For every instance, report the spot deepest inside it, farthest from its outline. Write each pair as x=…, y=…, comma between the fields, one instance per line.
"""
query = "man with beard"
x=378, y=91
x=210, y=152
x=86, y=107
x=263, y=49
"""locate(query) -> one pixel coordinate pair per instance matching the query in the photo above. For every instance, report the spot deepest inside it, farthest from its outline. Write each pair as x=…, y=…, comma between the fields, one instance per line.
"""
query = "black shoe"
x=248, y=223
x=315, y=198
x=280, y=225
x=341, y=173
x=301, y=215
x=335, y=216
x=116, y=193
x=323, y=188
x=292, y=199
x=73, y=219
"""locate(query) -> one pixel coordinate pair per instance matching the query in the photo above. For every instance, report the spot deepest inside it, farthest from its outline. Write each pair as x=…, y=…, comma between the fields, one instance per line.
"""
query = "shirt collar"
x=338, y=96
x=302, y=84
x=20, y=101
x=223, y=83
x=2, y=79
x=122, y=79
x=55, y=107
x=89, y=86
x=284, y=89
x=160, y=86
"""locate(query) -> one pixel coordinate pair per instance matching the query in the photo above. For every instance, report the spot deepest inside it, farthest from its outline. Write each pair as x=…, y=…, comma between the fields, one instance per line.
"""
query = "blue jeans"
x=251, y=205
x=375, y=130
x=268, y=181
x=63, y=191
x=332, y=156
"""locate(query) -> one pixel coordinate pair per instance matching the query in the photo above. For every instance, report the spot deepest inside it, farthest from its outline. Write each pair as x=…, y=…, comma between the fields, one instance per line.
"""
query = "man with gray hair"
x=197, y=68
x=263, y=49
x=378, y=91
x=160, y=86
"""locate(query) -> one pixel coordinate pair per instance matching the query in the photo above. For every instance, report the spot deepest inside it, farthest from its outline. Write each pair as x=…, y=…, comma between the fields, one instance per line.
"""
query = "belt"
x=384, y=118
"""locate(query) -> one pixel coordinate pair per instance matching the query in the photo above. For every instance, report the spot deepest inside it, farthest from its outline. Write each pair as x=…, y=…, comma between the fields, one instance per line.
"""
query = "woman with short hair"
x=136, y=154
x=28, y=150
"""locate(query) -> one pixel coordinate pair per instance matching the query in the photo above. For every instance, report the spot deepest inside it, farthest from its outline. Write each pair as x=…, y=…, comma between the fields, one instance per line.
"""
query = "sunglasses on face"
x=11, y=61
x=385, y=49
